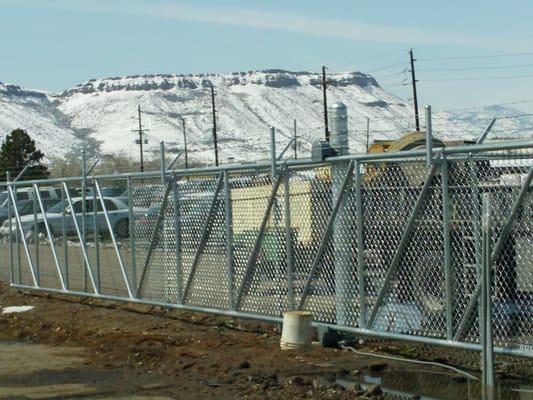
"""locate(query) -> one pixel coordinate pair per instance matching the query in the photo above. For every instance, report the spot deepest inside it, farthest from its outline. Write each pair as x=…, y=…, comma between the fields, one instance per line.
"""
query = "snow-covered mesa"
x=104, y=112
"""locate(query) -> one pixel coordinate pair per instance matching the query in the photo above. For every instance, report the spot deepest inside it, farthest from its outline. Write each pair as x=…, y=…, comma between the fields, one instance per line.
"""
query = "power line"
x=519, y=54
x=475, y=68
x=404, y=71
x=488, y=78
x=490, y=105
x=386, y=67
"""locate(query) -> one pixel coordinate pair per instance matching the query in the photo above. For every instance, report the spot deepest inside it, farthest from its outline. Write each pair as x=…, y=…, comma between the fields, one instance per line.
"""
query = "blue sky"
x=56, y=44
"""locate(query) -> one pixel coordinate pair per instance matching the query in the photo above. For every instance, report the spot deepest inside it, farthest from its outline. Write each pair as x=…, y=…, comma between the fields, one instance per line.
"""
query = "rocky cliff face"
x=104, y=111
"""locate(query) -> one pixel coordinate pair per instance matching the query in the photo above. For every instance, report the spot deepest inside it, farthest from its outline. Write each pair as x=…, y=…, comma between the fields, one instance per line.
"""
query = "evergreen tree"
x=16, y=152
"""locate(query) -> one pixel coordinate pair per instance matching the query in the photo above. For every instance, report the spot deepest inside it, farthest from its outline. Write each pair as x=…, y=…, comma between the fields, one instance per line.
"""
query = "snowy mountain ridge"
x=104, y=112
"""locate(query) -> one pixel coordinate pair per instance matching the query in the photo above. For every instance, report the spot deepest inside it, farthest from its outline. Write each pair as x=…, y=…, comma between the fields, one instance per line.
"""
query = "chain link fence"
x=382, y=245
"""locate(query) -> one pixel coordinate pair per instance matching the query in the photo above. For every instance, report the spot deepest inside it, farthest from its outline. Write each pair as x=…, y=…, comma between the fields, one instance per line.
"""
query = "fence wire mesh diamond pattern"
x=391, y=245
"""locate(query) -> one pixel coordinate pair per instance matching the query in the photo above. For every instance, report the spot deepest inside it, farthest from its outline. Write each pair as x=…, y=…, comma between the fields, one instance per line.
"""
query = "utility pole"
x=415, y=98
x=140, y=141
x=214, y=124
x=295, y=142
x=324, y=86
x=367, y=134
x=185, y=143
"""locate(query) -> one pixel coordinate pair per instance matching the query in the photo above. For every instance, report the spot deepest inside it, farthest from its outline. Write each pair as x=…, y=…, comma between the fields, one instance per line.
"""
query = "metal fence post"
x=360, y=244
x=429, y=137
x=64, y=238
x=10, y=233
x=177, y=233
x=96, y=232
x=162, y=161
x=448, y=273
x=17, y=237
x=229, y=239
x=342, y=235
x=273, y=151
x=485, y=322
x=83, y=209
x=36, y=234
x=288, y=241
x=131, y=229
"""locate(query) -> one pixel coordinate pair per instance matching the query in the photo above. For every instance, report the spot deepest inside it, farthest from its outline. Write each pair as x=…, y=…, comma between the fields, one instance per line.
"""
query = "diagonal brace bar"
x=113, y=239
x=203, y=239
x=327, y=233
x=250, y=265
x=146, y=266
x=504, y=235
x=398, y=255
x=50, y=237
x=82, y=243
x=24, y=243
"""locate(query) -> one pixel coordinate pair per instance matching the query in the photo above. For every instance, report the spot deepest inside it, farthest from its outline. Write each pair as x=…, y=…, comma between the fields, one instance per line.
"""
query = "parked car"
x=26, y=193
x=117, y=211
x=25, y=207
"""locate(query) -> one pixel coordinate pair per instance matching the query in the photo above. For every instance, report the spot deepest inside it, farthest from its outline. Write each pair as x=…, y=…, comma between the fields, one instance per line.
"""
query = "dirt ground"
x=69, y=347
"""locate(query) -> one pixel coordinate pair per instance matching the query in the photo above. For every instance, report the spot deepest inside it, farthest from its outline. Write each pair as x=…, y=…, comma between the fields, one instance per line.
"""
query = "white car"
x=117, y=210
x=27, y=193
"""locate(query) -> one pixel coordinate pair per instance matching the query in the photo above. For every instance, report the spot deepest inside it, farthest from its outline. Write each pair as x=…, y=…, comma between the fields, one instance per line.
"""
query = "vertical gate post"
x=96, y=231
x=360, y=244
x=229, y=239
x=17, y=236
x=342, y=257
x=177, y=233
x=64, y=237
x=36, y=234
x=485, y=321
x=288, y=241
x=10, y=233
x=448, y=273
x=83, y=237
x=131, y=232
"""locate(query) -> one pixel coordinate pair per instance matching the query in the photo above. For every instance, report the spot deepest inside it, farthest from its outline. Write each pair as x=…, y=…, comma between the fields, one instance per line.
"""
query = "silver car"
x=117, y=210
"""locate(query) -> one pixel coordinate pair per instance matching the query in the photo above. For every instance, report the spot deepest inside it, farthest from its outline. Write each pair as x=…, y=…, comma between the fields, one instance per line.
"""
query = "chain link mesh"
x=218, y=240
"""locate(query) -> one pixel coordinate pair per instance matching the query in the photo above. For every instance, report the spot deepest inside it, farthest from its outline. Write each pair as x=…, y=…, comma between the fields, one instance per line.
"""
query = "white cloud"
x=289, y=22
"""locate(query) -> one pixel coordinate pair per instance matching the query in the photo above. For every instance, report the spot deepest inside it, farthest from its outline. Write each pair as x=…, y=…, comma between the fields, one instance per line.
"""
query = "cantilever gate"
x=382, y=244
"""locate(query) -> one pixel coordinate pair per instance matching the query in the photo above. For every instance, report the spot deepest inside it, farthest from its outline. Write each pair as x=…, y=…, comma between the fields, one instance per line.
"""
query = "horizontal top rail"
x=303, y=162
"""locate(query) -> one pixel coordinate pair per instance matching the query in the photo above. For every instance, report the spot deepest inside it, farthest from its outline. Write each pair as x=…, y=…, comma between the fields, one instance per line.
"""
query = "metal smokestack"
x=338, y=125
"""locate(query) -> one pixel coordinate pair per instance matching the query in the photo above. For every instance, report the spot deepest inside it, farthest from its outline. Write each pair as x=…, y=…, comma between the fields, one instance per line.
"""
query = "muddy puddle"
x=415, y=383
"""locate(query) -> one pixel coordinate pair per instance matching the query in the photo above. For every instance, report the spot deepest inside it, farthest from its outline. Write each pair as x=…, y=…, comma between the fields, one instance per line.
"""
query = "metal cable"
x=401, y=359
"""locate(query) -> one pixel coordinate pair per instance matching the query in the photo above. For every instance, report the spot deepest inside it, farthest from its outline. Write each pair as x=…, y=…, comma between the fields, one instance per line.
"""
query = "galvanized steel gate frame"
x=394, y=200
